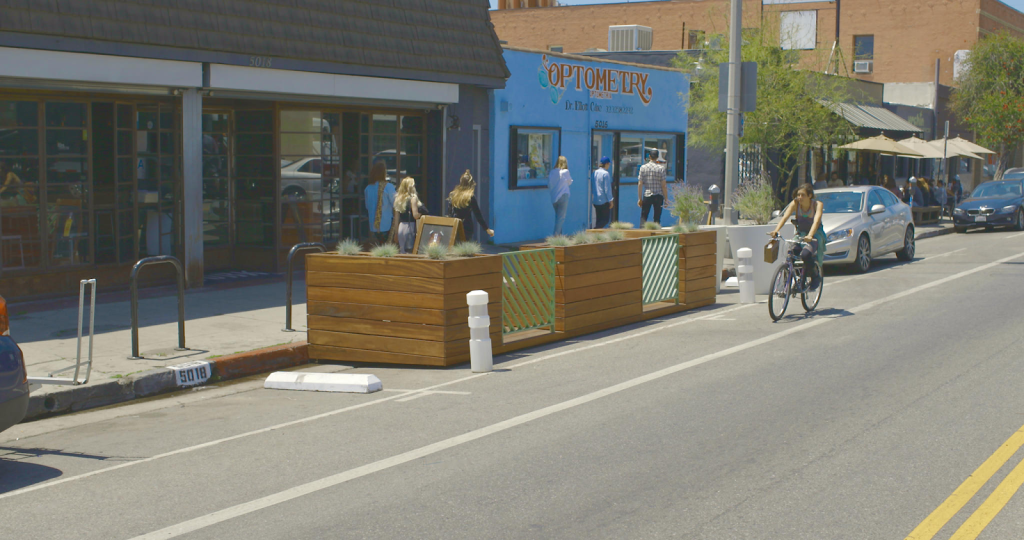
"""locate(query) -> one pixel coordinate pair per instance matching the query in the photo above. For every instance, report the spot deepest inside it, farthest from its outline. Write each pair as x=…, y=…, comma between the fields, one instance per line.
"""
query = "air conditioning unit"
x=630, y=37
x=862, y=66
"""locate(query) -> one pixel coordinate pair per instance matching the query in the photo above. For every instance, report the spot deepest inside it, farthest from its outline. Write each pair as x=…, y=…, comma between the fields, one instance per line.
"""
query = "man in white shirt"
x=603, y=198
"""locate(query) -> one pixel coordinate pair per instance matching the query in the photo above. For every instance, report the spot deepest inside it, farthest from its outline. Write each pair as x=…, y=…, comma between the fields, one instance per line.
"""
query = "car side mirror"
x=776, y=213
x=876, y=209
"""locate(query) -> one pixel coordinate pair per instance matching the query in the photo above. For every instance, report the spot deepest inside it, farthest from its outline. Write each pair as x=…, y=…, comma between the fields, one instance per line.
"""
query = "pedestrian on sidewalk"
x=890, y=184
x=603, y=198
x=407, y=211
x=651, y=188
x=940, y=196
x=559, y=181
x=462, y=204
x=380, y=201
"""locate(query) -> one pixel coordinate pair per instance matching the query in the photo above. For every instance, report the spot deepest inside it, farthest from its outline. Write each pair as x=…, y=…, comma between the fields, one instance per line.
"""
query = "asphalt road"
x=894, y=410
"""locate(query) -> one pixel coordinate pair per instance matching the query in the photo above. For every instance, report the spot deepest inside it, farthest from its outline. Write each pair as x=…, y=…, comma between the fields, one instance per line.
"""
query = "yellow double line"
x=969, y=488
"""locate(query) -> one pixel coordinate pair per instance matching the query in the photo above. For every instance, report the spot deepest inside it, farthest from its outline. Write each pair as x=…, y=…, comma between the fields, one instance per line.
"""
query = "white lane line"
x=948, y=253
x=1014, y=236
x=452, y=392
x=226, y=514
x=430, y=393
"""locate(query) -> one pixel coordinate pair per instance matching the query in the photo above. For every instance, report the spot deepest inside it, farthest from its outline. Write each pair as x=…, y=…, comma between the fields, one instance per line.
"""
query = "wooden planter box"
x=633, y=233
x=597, y=286
x=397, y=310
x=697, y=256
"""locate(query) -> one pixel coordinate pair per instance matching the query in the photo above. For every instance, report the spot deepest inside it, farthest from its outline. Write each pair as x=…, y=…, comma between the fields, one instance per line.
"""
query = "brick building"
x=902, y=40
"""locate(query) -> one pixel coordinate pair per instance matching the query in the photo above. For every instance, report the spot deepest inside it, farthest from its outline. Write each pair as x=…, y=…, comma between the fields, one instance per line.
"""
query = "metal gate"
x=527, y=290
x=660, y=268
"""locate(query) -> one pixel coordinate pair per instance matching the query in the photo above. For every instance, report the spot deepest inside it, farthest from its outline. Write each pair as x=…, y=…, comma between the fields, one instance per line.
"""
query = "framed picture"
x=439, y=230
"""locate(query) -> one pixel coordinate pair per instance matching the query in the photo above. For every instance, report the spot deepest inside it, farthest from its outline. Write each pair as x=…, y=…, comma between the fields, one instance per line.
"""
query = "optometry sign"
x=601, y=82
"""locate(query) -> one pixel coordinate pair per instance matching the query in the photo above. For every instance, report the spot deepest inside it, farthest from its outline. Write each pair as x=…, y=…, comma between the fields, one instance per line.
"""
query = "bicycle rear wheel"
x=778, y=298
x=810, y=298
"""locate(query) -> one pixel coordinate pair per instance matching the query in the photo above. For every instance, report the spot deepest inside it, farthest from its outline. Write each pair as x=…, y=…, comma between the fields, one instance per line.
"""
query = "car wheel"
x=960, y=230
x=1018, y=223
x=909, y=247
x=863, y=262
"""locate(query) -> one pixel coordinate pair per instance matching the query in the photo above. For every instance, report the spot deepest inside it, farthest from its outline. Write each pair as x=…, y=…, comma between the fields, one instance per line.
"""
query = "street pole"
x=732, y=126
x=945, y=143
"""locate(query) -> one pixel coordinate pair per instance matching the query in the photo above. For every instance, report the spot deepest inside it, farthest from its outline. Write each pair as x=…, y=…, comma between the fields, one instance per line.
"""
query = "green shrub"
x=583, y=237
x=755, y=199
x=685, y=228
x=438, y=252
x=600, y=237
x=558, y=241
x=615, y=234
x=349, y=246
x=466, y=249
x=621, y=225
x=688, y=205
x=385, y=250
x=652, y=226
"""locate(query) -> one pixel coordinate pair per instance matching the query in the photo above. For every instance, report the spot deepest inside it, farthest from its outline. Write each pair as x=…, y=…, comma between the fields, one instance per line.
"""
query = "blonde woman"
x=462, y=204
x=559, y=181
x=407, y=211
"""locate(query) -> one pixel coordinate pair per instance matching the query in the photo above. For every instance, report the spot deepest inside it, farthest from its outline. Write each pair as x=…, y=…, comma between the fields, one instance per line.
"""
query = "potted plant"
x=756, y=201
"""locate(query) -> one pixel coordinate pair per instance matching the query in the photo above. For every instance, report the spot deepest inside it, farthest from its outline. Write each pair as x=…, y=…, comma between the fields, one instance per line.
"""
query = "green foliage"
x=558, y=241
x=385, y=250
x=600, y=237
x=755, y=200
x=583, y=237
x=466, y=249
x=651, y=225
x=621, y=225
x=990, y=98
x=790, y=115
x=438, y=252
x=685, y=228
x=688, y=204
x=614, y=234
x=349, y=246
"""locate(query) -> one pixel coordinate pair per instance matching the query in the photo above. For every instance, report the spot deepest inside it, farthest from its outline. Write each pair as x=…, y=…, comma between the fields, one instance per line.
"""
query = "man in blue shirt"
x=603, y=198
x=380, y=198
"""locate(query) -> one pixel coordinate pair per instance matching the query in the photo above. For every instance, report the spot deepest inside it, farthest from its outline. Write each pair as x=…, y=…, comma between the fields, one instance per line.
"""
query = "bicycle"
x=789, y=281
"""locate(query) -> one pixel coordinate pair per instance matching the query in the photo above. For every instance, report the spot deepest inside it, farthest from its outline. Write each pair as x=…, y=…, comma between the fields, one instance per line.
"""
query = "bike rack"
x=288, y=296
x=135, y=301
x=73, y=381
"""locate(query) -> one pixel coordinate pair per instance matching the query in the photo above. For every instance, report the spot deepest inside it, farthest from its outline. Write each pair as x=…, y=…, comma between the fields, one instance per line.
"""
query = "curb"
x=934, y=233
x=161, y=380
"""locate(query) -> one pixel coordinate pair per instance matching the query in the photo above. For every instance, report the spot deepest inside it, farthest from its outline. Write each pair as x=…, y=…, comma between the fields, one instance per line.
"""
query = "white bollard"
x=745, y=274
x=480, y=359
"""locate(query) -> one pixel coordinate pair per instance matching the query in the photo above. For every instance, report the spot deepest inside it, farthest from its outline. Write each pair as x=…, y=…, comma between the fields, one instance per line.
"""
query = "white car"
x=863, y=223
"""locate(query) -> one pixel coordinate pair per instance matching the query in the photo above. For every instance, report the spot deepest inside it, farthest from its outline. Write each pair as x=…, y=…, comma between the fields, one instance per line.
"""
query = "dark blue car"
x=13, y=377
x=992, y=204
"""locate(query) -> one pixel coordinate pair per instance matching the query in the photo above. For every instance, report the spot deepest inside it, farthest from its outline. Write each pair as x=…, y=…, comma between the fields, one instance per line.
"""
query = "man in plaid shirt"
x=651, y=188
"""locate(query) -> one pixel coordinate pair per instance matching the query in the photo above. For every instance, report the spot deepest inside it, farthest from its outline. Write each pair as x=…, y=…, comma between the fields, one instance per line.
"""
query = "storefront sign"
x=602, y=82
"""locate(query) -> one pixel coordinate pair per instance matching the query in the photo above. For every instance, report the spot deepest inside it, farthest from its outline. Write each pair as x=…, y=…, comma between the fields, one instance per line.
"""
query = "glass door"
x=217, y=182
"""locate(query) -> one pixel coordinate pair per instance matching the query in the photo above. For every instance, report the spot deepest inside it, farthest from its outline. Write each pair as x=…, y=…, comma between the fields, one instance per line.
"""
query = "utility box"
x=630, y=37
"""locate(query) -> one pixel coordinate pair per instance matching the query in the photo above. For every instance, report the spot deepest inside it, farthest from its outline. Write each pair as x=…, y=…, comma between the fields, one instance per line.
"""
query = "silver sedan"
x=863, y=223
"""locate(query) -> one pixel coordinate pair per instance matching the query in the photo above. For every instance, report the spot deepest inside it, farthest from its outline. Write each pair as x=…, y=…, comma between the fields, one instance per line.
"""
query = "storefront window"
x=536, y=152
x=634, y=151
x=67, y=184
x=20, y=242
x=216, y=179
x=156, y=170
x=254, y=178
x=301, y=176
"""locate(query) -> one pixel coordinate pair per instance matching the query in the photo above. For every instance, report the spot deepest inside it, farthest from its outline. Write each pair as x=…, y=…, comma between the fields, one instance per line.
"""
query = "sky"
x=1016, y=4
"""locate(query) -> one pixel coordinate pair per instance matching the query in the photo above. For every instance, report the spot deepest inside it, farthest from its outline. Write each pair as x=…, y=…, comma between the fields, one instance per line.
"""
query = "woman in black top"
x=462, y=204
x=407, y=211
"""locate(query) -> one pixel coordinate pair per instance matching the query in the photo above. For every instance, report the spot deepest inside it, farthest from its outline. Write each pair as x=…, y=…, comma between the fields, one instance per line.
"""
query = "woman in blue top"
x=808, y=225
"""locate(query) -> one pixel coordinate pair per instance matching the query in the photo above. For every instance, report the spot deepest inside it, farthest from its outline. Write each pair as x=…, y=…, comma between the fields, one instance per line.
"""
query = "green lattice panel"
x=528, y=290
x=660, y=268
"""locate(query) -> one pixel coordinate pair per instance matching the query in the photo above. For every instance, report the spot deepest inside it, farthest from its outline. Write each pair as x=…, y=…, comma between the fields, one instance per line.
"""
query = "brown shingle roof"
x=450, y=37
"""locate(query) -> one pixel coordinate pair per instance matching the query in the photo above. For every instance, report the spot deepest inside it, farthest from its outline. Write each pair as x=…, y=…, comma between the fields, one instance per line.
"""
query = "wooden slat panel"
x=597, y=304
x=597, y=265
x=696, y=285
x=597, y=291
x=569, y=324
x=464, y=284
x=697, y=296
x=698, y=238
x=597, y=278
x=342, y=354
x=701, y=303
x=382, y=266
x=690, y=274
x=484, y=264
x=697, y=251
x=375, y=282
x=376, y=343
x=380, y=298
x=435, y=317
x=458, y=300
x=696, y=262
x=596, y=251
x=376, y=328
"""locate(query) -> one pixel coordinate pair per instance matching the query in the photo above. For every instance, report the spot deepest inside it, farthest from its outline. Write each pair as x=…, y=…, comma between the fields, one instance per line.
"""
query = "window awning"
x=867, y=116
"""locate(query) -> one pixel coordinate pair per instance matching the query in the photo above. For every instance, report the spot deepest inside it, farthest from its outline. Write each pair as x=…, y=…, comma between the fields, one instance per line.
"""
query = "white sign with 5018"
x=191, y=373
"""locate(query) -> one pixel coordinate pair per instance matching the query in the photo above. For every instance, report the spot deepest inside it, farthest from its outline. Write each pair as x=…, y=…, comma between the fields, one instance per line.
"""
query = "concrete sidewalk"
x=231, y=326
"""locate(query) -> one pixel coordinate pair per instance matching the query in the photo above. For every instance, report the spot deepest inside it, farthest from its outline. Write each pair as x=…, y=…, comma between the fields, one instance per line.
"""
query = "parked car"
x=13, y=376
x=863, y=223
x=992, y=204
x=1016, y=173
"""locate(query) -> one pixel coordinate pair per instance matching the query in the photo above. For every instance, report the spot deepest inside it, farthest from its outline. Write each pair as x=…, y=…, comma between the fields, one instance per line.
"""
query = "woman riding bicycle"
x=808, y=225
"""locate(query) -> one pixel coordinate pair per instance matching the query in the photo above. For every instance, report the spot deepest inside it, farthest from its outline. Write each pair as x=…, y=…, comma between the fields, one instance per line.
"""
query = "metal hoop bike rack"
x=304, y=246
x=135, y=301
x=73, y=380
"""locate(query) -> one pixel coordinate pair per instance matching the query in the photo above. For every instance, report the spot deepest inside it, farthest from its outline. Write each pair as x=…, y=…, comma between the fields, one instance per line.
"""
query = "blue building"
x=580, y=108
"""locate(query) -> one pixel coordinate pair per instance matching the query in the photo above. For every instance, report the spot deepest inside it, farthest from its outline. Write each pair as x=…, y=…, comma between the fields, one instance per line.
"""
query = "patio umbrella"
x=952, y=149
x=882, y=145
x=923, y=147
x=970, y=147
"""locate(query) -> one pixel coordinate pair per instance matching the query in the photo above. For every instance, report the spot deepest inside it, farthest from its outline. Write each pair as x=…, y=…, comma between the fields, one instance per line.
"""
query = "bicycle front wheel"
x=778, y=298
x=810, y=298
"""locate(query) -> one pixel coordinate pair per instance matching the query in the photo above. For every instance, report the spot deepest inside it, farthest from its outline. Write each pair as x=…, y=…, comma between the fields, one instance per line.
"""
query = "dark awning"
x=867, y=116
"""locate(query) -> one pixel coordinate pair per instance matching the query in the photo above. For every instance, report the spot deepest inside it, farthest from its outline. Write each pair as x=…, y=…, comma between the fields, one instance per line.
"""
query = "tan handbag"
x=771, y=251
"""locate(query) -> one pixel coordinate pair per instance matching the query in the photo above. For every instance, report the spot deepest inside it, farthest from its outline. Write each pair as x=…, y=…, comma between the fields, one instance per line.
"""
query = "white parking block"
x=323, y=382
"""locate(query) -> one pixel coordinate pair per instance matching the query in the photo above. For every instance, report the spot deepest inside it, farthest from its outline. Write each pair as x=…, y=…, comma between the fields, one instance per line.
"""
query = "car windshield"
x=997, y=189
x=841, y=202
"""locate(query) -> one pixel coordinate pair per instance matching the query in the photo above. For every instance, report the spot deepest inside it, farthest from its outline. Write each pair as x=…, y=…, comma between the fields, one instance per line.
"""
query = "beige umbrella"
x=952, y=149
x=882, y=145
x=971, y=147
x=922, y=146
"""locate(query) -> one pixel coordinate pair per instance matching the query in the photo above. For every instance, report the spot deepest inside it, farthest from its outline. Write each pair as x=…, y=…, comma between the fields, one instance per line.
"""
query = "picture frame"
x=442, y=229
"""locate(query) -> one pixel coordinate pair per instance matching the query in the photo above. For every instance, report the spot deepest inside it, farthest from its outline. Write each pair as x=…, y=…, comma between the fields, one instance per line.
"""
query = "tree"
x=990, y=98
x=790, y=116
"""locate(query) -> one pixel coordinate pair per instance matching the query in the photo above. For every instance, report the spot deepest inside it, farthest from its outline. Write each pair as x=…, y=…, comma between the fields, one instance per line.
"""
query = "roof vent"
x=630, y=37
